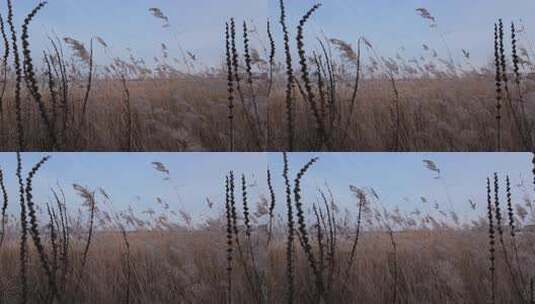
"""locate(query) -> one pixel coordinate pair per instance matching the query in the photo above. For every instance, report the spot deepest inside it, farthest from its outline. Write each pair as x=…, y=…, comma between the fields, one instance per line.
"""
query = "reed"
x=356, y=87
x=92, y=208
x=65, y=230
x=361, y=196
x=127, y=265
x=53, y=241
x=52, y=90
x=128, y=114
x=395, y=267
x=89, y=82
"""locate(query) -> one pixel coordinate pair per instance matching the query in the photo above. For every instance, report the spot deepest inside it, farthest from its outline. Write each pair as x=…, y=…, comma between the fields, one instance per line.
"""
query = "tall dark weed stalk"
x=4, y=207
x=303, y=229
x=499, y=228
x=271, y=206
x=5, y=58
x=290, y=242
x=498, y=82
x=229, y=239
x=230, y=88
x=29, y=73
x=492, y=258
x=18, y=81
x=290, y=78
x=310, y=98
x=34, y=229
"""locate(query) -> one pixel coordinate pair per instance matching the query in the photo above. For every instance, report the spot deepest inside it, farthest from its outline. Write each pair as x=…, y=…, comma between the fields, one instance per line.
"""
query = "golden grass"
x=434, y=267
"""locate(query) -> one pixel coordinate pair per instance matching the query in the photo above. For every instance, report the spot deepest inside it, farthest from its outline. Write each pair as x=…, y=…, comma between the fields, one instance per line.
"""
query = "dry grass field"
x=249, y=253
x=291, y=95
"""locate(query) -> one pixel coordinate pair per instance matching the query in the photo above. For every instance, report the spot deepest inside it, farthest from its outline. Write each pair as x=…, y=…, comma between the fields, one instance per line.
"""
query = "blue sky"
x=399, y=179
x=197, y=25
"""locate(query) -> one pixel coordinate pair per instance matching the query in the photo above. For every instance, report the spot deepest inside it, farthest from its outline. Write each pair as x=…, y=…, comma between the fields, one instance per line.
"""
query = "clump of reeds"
x=65, y=235
x=361, y=196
